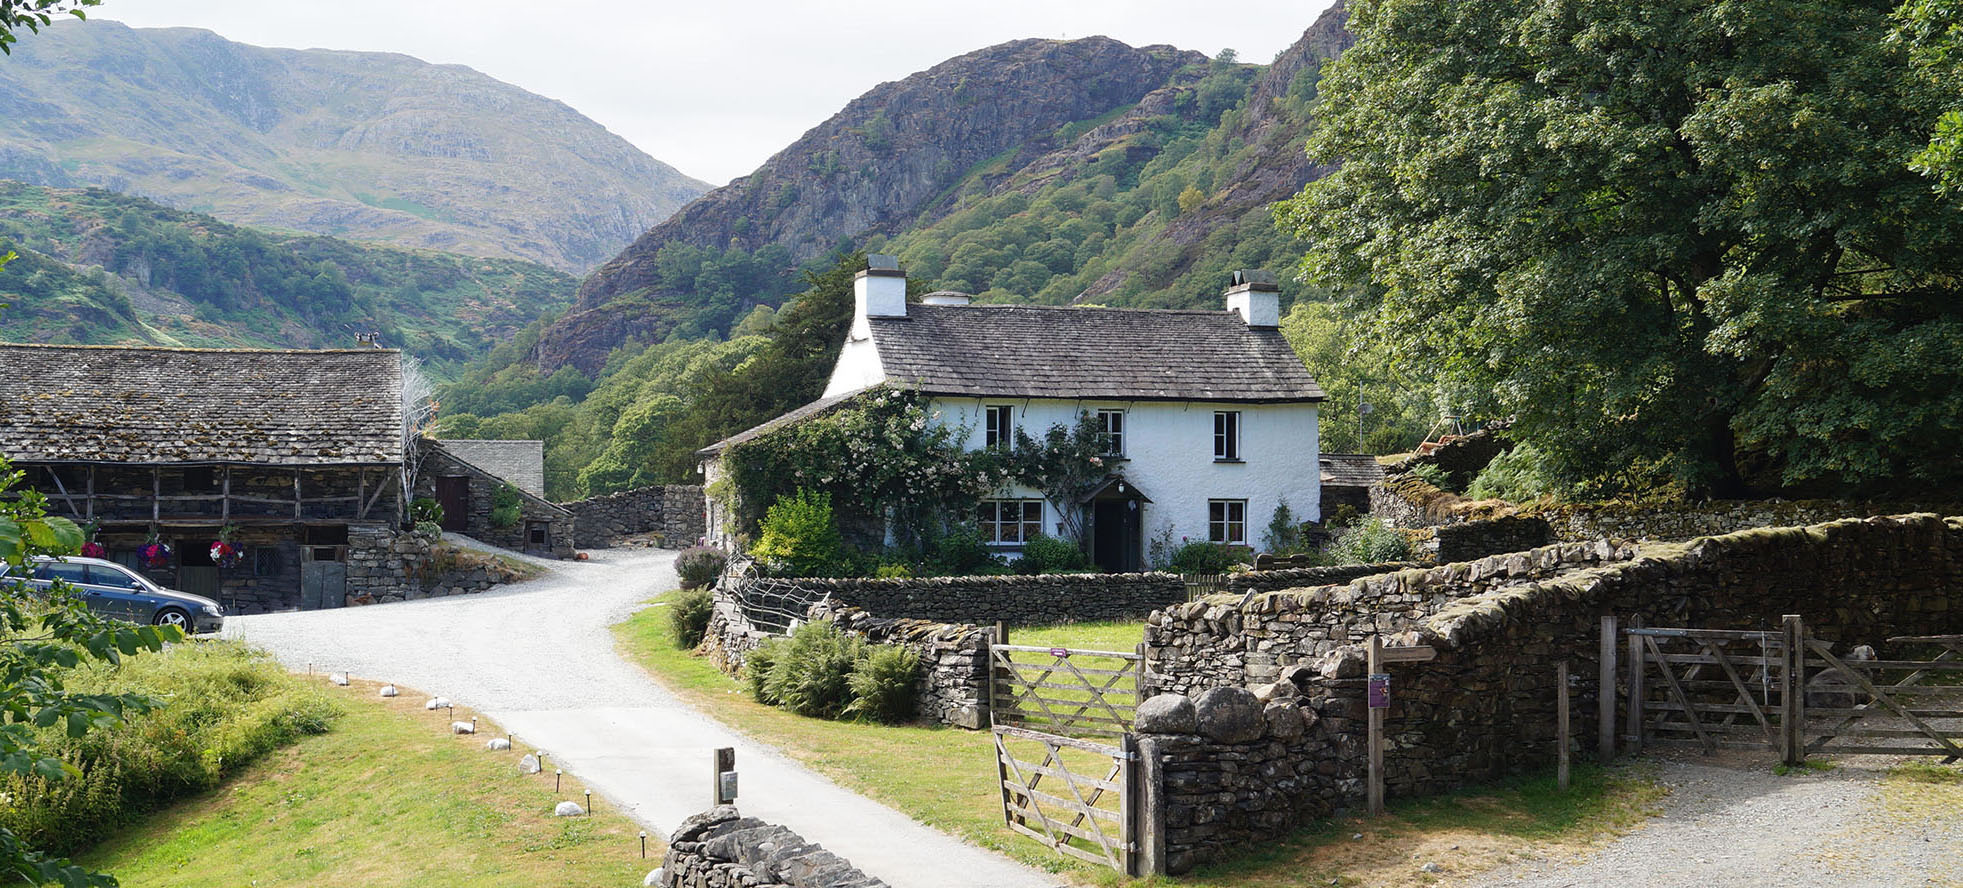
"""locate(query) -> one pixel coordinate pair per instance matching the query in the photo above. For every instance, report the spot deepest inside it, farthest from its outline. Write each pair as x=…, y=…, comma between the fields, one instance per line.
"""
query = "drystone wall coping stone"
x=720, y=848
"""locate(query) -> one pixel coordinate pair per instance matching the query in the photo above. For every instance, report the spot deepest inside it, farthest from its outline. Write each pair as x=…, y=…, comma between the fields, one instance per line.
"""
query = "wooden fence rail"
x=1065, y=691
x=1077, y=798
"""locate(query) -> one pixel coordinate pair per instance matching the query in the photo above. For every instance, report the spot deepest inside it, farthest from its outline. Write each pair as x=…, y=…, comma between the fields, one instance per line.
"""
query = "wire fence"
x=768, y=604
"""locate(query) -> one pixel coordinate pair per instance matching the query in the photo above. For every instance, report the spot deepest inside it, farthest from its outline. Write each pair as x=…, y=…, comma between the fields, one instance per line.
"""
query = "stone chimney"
x=881, y=290
x=1256, y=298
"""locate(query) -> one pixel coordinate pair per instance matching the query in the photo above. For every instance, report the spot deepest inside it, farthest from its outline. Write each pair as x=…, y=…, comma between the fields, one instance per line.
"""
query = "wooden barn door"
x=453, y=494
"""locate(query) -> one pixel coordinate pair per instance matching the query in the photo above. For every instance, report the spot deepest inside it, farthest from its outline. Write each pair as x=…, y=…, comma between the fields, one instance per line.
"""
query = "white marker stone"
x=388, y=690
x=339, y=678
x=498, y=743
x=528, y=764
x=462, y=728
x=568, y=809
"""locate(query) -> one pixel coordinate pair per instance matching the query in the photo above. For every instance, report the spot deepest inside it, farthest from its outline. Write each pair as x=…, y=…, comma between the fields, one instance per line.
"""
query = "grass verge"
x=387, y=798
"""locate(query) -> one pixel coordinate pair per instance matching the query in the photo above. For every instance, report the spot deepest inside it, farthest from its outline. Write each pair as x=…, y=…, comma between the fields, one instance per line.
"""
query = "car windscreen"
x=57, y=570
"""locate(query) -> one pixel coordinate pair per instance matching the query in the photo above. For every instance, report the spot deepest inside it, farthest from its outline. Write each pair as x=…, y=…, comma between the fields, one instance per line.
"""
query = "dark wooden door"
x=453, y=494
x=323, y=584
x=1114, y=535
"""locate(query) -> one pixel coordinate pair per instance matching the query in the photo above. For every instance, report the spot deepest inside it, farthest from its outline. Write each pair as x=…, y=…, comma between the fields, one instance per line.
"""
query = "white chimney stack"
x=881, y=290
x=1256, y=298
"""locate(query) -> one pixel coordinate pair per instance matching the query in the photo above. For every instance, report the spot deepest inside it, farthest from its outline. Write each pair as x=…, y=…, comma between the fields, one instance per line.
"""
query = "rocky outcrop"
x=874, y=167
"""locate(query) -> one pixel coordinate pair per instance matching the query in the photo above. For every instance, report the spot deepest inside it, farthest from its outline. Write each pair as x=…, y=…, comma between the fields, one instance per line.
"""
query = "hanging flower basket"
x=154, y=554
x=93, y=549
x=224, y=554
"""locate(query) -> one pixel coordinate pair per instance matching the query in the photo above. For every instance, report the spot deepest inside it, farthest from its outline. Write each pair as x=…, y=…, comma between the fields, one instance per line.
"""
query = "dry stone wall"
x=1485, y=706
x=720, y=848
x=1298, y=577
x=1685, y=521
x=674, y=511
x=1017, y=600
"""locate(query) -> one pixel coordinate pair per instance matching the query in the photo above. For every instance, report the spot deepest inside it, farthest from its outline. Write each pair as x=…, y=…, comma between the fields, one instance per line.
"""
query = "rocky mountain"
x=887, y=162
x=95, y=266
x=368, y=146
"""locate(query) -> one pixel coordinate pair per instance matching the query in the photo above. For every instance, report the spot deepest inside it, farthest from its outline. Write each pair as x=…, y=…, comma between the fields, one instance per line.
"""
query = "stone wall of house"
x=674, y=512
x=1017, y=600
x=1485, y=706
x=720, y=848
x=1218, y=642
x=384, y=564
x=556, y=522
x=1298, y=577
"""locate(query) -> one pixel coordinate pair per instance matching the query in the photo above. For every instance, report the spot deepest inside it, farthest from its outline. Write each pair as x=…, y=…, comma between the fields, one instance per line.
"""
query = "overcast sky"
x=716, y=86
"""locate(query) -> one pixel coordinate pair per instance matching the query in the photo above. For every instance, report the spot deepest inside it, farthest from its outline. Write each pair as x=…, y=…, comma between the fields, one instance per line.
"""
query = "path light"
x=556, y=774
x=644, y=844
x=589, y=803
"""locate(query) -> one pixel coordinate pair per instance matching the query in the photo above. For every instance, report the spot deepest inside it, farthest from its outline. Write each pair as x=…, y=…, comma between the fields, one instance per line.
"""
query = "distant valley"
x=366, y=146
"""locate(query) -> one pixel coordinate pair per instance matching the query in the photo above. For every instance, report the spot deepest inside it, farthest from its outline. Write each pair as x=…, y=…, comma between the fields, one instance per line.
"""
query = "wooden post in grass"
x=1634, y=732
x=1376, y=740
x=1792, y=692
x=1605, y=695
x=1561, y=716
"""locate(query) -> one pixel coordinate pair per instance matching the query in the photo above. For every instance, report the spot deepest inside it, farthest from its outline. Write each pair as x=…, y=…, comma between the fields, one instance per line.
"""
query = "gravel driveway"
x=1732, y=822
x=538, y=658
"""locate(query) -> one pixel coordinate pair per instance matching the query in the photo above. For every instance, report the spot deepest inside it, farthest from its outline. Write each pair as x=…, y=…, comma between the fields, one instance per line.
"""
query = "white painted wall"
x=1169, y=457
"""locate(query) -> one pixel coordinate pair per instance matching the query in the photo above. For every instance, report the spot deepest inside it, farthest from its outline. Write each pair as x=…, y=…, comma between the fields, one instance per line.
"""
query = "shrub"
x=228, y=706
x=1370, y=541
x=893, y=572
x=1433, y=474
x=1210, y=558
x=1284, y=533
x=799, y=537
x=960, y=552
x=811, y=674
x=756, y=670
x=699, y=566
x=883, y=685
x=423, y=510
x=506, y=507
x=1516, y=475
x=690, y=616
x=1047, y=554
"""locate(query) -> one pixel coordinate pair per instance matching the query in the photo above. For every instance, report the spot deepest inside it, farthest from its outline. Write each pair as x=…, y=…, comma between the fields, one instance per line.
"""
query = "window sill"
x=1219, y=460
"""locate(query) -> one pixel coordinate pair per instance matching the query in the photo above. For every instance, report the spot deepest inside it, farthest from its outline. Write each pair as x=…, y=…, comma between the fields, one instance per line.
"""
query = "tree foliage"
x=1678, y=241
x=41, y=639
x=35, y=15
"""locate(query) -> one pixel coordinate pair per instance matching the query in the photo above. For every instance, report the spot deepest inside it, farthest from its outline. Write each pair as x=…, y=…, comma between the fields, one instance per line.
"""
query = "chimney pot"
x=1256, y=298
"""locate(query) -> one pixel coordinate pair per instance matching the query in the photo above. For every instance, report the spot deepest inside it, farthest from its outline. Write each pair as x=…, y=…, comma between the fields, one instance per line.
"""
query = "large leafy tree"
x=1933, y=30
x=1678, y=240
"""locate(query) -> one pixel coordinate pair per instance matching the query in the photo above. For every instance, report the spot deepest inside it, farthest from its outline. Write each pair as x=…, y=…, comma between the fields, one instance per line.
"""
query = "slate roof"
x=1351, y=470
x=520, y=462
x=1090, y=353
x=815, y=408
x=82, y=403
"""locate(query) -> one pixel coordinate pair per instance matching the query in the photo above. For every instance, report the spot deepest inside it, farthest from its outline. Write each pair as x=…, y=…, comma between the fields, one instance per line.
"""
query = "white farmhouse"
x=1210, y=415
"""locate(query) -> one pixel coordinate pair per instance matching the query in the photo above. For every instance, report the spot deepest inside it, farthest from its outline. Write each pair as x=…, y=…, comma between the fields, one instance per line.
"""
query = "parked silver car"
x=115, y=591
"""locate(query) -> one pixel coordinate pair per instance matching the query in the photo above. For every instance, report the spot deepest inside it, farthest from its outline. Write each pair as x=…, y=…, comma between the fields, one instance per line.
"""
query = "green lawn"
x=1113, y=635
x=387, y=798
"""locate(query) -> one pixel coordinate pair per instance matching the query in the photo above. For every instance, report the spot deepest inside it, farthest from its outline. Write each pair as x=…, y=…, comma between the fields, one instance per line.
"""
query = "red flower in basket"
x=93, y=549
x=225, y=554
x=154, y=554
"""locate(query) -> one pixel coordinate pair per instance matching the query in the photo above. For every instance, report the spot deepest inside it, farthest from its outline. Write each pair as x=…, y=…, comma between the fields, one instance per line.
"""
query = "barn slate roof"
x=1040, y=351
x=521, y=462
x=150, y=406
x=1351, y=470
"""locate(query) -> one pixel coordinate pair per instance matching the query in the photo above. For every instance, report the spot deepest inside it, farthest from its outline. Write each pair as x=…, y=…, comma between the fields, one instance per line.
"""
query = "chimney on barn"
x=1256, y=298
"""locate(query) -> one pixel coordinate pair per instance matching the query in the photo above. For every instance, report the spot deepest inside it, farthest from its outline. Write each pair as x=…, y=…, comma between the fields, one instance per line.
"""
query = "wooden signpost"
x=1378, y=691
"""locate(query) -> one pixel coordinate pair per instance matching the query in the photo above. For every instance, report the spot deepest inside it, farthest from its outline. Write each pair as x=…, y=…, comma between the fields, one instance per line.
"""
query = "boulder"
x=388, y=690
x=1344, y=663
x=528, y=764
x=1229, y=715
x=1280, y=690
x=568, y=809
x=497, y=743
x=1166, y=714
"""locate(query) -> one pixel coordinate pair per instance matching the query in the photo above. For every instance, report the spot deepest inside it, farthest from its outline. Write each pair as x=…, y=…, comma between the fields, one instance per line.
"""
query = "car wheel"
x=171, y=616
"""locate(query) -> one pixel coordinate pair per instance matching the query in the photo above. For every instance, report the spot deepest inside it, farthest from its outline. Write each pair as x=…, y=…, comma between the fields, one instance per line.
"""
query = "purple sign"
x=1380, y=690
x=1059, y=652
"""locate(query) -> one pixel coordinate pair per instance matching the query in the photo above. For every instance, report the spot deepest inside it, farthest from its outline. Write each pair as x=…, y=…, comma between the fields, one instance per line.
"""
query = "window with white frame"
x=1227, y=435
x=1112, y=422
x=1011, y=521
x=1226, y=521
x=1000, y=427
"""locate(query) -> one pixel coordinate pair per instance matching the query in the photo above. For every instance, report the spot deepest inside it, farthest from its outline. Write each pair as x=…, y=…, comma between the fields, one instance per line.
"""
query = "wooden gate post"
x=1561, y=715
x=1636, y=667
x=1792, y=692
x=1376, y=739
x=1605, y=695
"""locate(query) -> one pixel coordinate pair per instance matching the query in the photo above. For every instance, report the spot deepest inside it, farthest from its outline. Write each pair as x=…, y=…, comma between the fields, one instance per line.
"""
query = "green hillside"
x=99, y=267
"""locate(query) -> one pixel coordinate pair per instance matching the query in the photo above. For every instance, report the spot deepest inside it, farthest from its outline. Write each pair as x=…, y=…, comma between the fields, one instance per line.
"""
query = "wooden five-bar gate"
x=1786, y=691
x=1059, y=787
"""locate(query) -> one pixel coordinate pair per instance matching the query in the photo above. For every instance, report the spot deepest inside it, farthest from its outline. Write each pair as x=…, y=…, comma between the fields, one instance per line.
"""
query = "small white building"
x=1211, y=417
